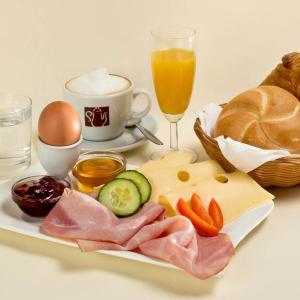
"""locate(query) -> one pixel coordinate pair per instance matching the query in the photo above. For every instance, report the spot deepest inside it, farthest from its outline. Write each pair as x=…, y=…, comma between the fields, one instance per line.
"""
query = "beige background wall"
x=44, y=42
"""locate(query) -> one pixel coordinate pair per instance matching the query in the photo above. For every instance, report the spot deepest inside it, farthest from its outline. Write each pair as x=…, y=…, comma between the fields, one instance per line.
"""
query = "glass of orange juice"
x=173, y=63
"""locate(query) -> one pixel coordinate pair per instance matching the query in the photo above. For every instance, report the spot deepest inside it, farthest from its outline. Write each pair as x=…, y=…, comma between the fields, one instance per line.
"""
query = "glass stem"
x=173, y=136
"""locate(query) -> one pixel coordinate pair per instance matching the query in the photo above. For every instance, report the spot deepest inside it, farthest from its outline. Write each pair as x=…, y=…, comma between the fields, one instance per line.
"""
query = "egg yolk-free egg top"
x=59, y=124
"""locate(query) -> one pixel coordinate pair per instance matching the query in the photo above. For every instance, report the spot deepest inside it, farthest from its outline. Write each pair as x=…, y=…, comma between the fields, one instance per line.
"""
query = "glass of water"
x=15, y=134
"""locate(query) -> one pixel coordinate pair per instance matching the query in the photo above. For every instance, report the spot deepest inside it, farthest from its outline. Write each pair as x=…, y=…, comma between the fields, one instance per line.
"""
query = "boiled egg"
x=59, y=124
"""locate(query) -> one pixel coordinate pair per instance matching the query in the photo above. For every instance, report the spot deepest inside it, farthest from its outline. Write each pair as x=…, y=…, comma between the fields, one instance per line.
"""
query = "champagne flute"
x=173, y=69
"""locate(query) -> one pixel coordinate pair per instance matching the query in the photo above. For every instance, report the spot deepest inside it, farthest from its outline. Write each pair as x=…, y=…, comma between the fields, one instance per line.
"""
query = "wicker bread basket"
x=282, y=172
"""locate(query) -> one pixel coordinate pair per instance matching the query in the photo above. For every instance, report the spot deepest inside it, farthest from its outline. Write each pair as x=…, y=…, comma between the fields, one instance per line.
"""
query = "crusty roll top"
x=286, y=74
x=267, y=117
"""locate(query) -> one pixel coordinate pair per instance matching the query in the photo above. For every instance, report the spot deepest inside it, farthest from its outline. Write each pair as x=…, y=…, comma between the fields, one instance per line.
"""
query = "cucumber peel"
x=140, y=180
x=121, y=196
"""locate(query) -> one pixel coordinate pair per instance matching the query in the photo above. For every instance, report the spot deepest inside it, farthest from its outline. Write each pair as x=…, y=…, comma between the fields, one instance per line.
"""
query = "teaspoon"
x=135, y=122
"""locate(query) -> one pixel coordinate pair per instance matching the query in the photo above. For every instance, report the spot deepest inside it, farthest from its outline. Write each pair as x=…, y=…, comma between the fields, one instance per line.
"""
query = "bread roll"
x=267, y=117
x=287, y=74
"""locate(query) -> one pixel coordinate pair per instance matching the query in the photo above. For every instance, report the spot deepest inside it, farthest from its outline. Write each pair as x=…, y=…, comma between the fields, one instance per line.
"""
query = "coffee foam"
x=98, y=82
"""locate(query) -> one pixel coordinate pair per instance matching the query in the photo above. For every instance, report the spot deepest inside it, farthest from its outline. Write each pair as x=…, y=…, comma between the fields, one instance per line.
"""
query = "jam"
x=37, y=195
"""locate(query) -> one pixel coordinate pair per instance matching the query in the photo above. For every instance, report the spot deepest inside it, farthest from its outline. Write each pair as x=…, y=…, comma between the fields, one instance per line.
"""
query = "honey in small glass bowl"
x=96, y=168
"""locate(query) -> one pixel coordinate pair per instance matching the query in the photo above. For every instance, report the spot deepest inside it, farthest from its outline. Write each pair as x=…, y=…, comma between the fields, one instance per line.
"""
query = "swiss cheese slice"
x=172, y=159
x=167, y=179
x=235, y=192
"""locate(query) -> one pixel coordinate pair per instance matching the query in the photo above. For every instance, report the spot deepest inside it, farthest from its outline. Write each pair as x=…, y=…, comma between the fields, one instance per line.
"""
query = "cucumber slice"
x=140, y=180
x=121, y=196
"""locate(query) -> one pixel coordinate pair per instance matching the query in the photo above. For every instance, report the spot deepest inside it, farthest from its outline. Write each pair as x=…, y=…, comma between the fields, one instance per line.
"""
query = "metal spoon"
x=135, y=122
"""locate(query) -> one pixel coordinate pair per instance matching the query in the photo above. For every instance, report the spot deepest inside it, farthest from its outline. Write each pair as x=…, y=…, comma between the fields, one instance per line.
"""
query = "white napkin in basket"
x=244, y=157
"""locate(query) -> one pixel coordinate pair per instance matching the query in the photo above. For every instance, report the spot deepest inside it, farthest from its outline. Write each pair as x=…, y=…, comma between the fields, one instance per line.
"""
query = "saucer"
x=130, y=139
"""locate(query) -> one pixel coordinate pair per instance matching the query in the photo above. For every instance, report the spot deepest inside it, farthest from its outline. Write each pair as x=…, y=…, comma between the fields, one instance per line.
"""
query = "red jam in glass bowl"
x=37, y=195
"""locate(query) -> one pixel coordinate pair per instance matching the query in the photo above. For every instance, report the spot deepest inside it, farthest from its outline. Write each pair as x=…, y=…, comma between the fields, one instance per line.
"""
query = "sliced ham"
x=83, y=219
x=79, y=216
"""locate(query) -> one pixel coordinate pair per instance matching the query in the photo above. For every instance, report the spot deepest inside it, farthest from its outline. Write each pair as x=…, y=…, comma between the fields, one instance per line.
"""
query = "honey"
x=93, y=170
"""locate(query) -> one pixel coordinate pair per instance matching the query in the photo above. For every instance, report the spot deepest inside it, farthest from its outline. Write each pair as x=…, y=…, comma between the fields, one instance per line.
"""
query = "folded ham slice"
x=81, y=218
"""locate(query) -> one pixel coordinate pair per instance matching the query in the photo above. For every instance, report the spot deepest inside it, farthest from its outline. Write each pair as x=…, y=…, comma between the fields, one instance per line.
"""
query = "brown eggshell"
x=59, y=124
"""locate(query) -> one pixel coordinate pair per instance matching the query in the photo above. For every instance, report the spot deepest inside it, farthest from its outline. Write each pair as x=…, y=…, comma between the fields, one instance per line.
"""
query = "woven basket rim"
x=197, y=126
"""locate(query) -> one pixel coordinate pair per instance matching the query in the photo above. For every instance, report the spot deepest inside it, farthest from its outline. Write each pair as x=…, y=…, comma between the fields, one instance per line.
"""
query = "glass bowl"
x=37, y=195
x=95, y=168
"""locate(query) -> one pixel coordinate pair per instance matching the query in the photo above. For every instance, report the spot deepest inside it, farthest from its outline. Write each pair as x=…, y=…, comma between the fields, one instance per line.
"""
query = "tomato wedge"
x=215, y=212
x=202, y=226
x=199, y=209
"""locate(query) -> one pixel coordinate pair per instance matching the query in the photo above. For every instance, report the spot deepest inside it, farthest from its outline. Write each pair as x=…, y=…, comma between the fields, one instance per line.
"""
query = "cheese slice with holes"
x=172, y=159
x=166, y=179
x=235, y=192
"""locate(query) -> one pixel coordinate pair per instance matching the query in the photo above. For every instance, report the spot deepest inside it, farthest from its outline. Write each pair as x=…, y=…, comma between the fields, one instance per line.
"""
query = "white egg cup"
x=58, y=160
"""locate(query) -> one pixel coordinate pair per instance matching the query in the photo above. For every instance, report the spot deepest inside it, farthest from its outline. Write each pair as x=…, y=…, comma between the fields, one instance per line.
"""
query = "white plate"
x=130, y=139
x=11, y=218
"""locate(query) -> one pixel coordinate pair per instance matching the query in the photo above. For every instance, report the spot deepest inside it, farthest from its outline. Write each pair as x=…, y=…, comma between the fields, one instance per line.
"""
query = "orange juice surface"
x=173, y=73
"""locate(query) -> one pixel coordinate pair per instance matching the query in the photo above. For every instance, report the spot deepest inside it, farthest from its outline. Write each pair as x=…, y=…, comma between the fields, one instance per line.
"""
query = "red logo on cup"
x=96, y=116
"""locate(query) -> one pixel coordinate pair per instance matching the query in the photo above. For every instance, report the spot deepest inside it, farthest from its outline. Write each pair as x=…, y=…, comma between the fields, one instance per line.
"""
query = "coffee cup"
x=104, y=103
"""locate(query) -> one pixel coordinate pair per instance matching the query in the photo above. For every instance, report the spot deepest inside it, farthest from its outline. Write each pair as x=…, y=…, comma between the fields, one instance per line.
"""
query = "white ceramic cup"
x=104, y=117
x=58, y=160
